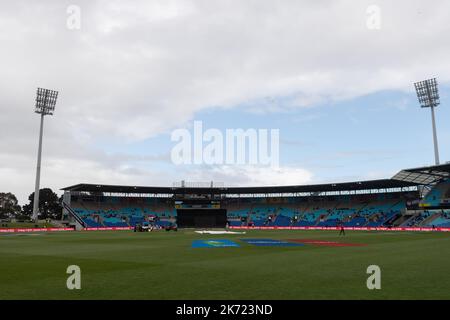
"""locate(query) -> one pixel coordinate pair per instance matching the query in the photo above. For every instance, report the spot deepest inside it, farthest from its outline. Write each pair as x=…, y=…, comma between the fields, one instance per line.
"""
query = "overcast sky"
x=336, y=85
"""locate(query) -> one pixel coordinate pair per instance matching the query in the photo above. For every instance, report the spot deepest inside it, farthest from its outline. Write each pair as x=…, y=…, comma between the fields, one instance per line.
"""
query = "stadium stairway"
x=74, y=215
x=441, y=219
x=428, y=221
x=408, y=218
x=413, y=219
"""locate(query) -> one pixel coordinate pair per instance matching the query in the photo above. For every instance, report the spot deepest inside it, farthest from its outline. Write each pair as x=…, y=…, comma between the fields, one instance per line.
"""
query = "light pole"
x=45, y=105
x=428, y=95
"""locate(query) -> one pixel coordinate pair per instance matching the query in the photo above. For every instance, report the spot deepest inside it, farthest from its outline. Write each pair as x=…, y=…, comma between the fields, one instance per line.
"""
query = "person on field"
x=342, y=232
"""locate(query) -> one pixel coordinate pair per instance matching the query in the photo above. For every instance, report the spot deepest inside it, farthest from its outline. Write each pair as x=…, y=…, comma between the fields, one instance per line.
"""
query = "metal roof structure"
x=406, y=178
x=330, y=187
x=424, y=175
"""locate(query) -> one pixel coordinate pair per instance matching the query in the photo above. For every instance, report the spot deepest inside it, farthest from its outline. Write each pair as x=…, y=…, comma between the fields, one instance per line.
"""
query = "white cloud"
x=250, y=175
x=137, y=69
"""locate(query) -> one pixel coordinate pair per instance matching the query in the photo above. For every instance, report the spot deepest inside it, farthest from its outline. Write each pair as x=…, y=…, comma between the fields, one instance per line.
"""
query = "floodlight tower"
x=45, y=105
x=427, y=92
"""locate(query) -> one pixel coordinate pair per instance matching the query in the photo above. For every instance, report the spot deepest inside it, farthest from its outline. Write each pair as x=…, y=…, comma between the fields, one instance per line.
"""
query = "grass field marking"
x=74, y=280
x=374, y=280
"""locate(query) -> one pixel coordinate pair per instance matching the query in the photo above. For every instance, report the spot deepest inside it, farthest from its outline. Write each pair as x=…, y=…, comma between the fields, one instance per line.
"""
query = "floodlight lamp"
x=427, y=93
x=45, y=101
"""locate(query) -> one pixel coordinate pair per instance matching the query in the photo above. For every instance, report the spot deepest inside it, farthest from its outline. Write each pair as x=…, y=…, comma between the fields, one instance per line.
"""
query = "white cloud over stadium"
x=138, y=70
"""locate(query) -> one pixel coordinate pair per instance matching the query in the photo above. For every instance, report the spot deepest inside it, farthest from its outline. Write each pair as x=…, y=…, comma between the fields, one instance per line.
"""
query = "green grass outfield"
x=162, y=265
x=25, y=225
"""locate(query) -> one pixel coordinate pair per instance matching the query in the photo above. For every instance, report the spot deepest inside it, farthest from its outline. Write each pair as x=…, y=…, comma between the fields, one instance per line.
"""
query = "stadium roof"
x=329, y=187
x=424, y=175
x=405, y=178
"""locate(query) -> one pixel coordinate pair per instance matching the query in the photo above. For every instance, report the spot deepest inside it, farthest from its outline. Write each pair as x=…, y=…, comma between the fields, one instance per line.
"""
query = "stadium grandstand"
x=418, y=197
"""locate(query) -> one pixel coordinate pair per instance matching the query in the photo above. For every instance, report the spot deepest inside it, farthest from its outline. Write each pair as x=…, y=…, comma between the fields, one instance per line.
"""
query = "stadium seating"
x=350, y=210
x=439, y=194
x=442, y=220
x=123, y=212
x=417, y=219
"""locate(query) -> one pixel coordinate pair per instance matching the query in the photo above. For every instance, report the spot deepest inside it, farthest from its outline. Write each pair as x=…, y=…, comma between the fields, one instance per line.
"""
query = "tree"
x=49, y=205
x=8, y=205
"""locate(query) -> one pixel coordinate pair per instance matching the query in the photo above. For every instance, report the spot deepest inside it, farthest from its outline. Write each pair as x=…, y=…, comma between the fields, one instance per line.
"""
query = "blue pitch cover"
x=213, y=243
